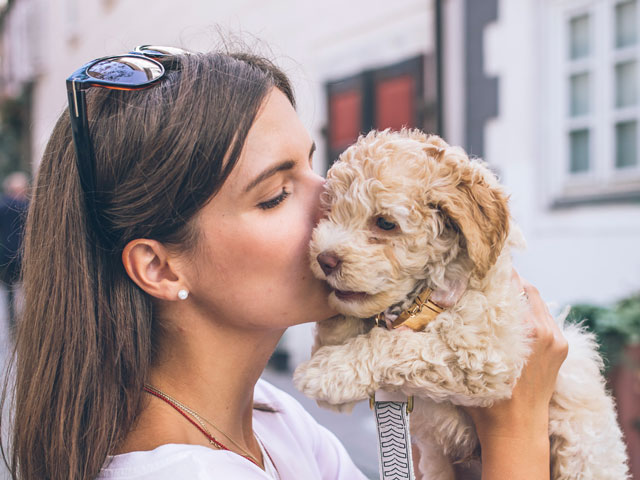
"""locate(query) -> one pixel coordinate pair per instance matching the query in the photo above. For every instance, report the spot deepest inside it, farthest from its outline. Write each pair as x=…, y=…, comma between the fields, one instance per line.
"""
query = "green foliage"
x=615, y=328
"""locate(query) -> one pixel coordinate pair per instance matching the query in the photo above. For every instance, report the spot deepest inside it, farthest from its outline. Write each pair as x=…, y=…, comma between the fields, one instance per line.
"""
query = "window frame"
x=420, y=67
x=603, y=182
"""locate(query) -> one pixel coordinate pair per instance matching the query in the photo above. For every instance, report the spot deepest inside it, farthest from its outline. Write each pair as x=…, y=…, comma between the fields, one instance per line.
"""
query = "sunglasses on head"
x=135, y=70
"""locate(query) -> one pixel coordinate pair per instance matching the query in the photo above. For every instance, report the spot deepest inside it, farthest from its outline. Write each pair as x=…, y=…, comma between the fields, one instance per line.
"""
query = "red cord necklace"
x=207, y=434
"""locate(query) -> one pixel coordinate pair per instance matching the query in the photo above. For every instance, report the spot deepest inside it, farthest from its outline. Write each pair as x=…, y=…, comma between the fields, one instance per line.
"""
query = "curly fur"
x=452, y=227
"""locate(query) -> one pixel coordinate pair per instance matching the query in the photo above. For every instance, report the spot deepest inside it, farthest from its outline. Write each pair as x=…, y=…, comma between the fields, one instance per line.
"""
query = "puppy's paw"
x=330, y=378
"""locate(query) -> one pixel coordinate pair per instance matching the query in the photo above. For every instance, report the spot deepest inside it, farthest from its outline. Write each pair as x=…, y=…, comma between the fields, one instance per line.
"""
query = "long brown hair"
x=84, y=343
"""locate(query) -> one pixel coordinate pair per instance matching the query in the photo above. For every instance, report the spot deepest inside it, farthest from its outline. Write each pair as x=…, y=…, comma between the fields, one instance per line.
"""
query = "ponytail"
x=83, y=344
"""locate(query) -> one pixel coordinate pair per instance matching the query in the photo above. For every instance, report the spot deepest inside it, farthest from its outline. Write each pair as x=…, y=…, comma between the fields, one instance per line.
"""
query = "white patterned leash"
x=394, y=441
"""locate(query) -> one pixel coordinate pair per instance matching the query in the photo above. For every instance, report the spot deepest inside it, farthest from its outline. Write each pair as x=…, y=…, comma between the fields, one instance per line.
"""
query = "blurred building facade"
x=546, y=91
x=18, y=67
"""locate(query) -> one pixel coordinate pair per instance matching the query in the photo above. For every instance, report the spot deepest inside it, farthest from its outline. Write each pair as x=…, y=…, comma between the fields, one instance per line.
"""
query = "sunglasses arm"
x=85, y=160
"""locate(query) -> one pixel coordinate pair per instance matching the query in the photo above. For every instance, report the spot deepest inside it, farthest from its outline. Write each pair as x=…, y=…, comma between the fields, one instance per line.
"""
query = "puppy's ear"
x=469, y=195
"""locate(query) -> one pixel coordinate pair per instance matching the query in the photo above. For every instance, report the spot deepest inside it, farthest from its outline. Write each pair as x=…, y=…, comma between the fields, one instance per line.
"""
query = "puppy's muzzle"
x=329, y=262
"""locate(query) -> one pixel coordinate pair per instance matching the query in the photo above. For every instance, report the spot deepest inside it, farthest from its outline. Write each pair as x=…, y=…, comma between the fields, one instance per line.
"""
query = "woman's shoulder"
x=298, y=445
x=179, y=461
x=287, y=421
x=269, y=395
x=284, y=414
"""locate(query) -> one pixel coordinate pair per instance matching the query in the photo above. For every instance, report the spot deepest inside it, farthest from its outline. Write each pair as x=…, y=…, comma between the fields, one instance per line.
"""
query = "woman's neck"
x=211, y=368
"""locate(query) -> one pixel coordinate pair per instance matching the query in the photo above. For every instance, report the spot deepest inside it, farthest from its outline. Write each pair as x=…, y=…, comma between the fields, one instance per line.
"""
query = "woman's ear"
x=152, y=267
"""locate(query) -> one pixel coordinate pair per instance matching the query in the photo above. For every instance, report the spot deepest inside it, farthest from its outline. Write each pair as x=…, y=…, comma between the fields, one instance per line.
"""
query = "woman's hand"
x=514, y=433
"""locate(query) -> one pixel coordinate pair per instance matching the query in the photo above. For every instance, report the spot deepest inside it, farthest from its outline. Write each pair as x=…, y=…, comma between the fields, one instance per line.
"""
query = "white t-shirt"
x=301, y=449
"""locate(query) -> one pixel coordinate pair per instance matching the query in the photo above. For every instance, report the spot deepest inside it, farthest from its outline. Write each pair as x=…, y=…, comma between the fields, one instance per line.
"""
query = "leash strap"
x=394, y=441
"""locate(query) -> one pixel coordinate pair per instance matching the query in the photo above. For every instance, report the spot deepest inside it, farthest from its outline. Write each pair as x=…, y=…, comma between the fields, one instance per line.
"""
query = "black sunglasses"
x=133, y=71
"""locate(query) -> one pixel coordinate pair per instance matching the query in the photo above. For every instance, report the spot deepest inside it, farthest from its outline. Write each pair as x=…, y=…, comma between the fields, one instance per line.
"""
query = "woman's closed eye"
x=275, y=201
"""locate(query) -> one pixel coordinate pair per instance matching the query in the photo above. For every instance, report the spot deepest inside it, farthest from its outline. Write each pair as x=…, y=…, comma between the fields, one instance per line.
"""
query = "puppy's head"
x=405, y=210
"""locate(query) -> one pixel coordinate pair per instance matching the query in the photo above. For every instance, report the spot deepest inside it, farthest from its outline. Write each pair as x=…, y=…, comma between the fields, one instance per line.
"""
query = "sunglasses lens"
x=160, y=51
x=130, y=70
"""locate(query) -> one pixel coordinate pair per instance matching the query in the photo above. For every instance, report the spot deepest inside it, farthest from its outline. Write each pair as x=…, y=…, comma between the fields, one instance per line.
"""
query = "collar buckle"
x=417, y=316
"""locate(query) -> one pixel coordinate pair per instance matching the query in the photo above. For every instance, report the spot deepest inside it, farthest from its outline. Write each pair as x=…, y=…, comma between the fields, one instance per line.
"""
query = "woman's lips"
x=346, y=296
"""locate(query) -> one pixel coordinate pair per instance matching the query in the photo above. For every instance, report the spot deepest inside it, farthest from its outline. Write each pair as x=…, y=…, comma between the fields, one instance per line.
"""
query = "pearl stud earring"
x=183, y=294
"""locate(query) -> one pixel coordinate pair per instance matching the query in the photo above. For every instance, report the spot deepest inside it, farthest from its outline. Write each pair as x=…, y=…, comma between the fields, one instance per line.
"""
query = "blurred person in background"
x=13, y=212
x=161, y=268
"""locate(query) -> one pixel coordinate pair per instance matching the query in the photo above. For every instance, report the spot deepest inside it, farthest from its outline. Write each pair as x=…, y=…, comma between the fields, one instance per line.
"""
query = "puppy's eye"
x=385, y=224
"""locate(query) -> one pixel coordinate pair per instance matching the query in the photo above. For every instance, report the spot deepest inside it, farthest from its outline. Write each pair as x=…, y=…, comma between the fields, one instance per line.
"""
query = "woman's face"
x=252, y=264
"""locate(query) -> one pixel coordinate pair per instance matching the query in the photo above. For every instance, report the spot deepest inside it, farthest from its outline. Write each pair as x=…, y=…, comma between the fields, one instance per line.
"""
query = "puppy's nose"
x=329, y=262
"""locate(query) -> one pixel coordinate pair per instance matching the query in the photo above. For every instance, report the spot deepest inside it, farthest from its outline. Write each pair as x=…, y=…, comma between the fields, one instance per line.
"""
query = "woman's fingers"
x=545, y=329
x=549, y=348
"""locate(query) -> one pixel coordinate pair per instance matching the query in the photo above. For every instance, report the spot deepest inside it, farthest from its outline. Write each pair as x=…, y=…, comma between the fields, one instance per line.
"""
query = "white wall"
x=308, y=39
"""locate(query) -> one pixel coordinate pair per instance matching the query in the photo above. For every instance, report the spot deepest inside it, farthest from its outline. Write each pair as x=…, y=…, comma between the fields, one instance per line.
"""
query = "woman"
x=155, y=295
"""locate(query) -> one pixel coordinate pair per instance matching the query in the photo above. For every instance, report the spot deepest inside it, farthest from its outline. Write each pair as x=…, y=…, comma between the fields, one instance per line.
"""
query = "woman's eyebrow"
x=279, y=167
x=269, y=172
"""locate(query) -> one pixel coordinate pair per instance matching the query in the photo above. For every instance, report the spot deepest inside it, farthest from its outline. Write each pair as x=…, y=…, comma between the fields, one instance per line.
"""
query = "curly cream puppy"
x=406, y=211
